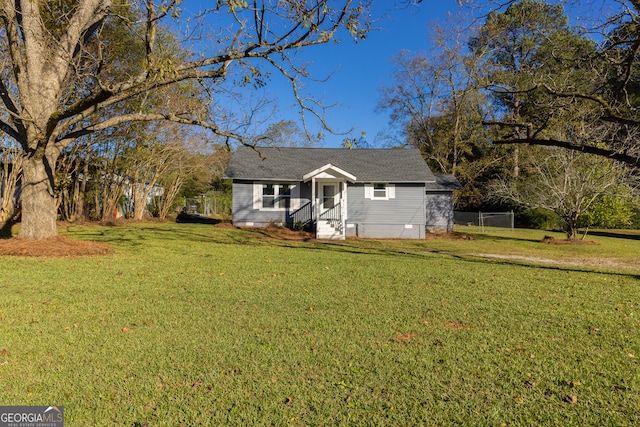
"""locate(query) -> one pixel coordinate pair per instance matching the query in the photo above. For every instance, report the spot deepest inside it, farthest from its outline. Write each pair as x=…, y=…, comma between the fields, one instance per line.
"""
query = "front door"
x=328, y=197
x=330, y=222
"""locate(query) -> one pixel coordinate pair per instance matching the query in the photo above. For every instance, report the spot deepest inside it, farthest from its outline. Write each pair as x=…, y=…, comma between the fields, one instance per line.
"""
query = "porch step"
x=329, y=232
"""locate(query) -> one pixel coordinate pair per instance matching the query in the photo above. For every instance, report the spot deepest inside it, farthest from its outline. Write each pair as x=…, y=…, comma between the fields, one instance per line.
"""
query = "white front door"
x=329, y=197
x=330, y=222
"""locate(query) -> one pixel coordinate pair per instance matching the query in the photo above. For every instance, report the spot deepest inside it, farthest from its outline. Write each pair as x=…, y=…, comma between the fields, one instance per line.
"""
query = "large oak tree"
x=64, y=74
x=609, y=70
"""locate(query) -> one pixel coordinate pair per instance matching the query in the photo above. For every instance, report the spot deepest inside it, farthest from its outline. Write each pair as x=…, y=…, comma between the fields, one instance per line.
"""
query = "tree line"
x=523, y=107
x=529, y=111
x=76, y=70
x=110, y=176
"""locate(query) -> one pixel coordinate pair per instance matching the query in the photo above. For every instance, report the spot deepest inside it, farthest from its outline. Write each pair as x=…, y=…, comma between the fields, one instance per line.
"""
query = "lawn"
x=188, y=324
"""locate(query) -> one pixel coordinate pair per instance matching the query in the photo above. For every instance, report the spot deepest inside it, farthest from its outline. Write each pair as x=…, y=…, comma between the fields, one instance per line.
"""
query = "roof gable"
x=292, y=164
x=329, y=171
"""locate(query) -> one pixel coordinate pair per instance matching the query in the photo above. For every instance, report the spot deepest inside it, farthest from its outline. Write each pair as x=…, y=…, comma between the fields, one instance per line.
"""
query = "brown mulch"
x=59, y=246
x=225, y=225
x=282, y=233
x=550, y=240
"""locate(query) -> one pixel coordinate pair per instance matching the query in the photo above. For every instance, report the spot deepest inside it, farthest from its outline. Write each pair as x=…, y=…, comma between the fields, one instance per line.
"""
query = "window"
x=276, y=196
x=379, y=191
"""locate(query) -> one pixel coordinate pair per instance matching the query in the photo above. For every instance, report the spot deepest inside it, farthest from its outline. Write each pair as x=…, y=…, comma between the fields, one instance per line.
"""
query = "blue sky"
x=357, y=70
x=360, y=69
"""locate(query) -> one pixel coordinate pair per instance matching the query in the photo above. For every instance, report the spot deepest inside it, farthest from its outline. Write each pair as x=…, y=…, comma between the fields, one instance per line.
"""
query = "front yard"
x=189, y=324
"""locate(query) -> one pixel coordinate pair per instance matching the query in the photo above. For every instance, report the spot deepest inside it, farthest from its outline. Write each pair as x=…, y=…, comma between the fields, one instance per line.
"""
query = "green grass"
x=187, y=324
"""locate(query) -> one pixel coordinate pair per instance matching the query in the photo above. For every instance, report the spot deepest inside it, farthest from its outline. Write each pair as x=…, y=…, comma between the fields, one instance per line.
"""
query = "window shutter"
x=295, y=197
x=257, y=195
x=368, y=191
x=391, y=191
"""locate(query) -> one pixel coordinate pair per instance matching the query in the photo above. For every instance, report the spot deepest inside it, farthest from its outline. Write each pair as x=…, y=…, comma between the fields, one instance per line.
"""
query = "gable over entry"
x=373, y=193
x=329, y=200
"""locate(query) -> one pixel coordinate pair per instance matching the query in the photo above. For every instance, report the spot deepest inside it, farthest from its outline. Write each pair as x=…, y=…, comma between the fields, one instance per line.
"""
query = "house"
x=381, y=193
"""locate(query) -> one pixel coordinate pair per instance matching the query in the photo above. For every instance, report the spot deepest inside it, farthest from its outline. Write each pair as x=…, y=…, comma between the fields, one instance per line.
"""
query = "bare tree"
x=563, y=181
x=108, y=175
x=68, y=78
x=435, y=102
x=286, y=133
x=72, y=178
x=11, y=158
x=189, y=160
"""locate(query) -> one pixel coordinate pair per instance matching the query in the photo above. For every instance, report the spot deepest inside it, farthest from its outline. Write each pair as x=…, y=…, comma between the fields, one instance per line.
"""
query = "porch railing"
x=332, y=216
x=303, y=215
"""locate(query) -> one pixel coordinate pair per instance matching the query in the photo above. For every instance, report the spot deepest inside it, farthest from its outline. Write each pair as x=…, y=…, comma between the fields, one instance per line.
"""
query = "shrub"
x=538, y=218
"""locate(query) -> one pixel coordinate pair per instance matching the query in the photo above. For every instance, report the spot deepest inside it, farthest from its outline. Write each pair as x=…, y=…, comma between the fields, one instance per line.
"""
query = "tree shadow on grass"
x=480, y=236
x=344, y=247
x=616, y=234
x=229, y=235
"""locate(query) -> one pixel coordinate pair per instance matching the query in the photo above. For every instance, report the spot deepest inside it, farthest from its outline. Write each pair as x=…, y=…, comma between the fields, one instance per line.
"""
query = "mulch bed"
x=59, y=246
x=550, y=240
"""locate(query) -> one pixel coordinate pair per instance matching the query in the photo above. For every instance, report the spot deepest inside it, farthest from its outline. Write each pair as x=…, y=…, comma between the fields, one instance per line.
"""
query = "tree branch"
x=611, y=114
x=629, y=159
x=6, y=128
x=141, y=117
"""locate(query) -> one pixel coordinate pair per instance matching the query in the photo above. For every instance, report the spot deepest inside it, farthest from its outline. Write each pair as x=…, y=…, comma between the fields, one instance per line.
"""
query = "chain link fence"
x=485, y=219
x=212, y=204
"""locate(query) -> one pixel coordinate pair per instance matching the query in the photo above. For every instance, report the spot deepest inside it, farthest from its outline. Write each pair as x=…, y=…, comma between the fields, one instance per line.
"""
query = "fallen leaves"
x=455, y=325
x=404, y=339
x=58, y=246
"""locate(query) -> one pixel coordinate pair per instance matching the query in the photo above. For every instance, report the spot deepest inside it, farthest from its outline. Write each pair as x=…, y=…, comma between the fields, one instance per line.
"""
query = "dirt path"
x=626, y=264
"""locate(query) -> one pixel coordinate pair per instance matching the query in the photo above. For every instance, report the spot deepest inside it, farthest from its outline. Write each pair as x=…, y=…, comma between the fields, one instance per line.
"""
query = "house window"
x=379, y=191
x=276, y=196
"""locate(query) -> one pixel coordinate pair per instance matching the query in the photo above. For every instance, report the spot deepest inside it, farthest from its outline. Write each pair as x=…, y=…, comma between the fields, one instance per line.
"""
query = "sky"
x=357, y=70
x=360, y=69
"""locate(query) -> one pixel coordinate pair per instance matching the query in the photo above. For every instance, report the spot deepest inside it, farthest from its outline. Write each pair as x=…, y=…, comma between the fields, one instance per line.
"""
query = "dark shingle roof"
x=444, y=182
x=291, y=164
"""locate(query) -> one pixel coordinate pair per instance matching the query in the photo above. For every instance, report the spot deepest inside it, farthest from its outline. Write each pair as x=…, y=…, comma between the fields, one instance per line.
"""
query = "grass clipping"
x=58, y=246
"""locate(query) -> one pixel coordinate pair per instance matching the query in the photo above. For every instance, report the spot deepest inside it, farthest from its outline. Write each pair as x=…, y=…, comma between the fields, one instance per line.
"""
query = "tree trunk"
x=8, y=185
x=170, y=196
x=571, y=227
x=82, y=190
x=38, y=201
x=139, y=201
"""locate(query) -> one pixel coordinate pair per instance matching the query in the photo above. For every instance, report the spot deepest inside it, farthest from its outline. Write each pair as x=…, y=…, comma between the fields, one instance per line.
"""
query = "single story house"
x=370, y=193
